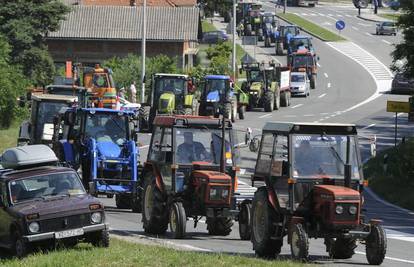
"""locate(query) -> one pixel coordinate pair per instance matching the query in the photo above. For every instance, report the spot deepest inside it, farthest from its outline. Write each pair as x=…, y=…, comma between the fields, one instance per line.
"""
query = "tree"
x=404, y=51
x=12, y=85
x=25, y=23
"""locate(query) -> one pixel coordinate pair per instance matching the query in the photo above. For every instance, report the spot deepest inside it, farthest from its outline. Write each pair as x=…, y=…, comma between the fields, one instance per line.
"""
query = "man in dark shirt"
x=190, y=151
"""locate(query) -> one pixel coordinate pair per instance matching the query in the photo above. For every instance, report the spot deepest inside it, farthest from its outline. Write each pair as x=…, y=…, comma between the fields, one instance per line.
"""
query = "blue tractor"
x=102, y=144
x=283, y=36
x=300, y=42
x=269, y=27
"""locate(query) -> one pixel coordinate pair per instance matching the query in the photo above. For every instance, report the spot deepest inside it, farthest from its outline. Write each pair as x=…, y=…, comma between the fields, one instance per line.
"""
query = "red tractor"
x=313, y=189
x=190, y=172
x=304, y=60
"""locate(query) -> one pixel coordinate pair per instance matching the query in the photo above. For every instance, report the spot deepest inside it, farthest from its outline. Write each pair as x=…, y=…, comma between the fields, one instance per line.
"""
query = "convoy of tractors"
x=310, y=174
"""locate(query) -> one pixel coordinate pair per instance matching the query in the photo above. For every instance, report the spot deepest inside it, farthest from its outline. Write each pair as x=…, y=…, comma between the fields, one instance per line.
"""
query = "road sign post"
x=397, y=107
x=340, y=25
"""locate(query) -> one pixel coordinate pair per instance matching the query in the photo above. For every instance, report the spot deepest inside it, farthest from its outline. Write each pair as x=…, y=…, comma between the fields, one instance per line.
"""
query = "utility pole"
x=284, y=6
x=143, y=47
x=234, y=63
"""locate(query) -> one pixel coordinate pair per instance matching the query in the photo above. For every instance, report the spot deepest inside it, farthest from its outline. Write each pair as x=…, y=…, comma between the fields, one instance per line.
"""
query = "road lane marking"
x=388, y=258
x=308, y=115
x=296, y=106
x=329, y=85
x=385, y=41
x=369, y=126
x=290, y=116
x=364, y=24
x=349, y=16
x=339, y=15
x=322, y=95
x=265, y=116
x=319, y=65
x=326, y=75
x=355, y=28
x=367, y=33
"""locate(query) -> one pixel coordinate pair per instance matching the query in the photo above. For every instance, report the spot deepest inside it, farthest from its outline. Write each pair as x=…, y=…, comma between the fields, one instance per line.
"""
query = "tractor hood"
x=256, y=86
x=108, y=149
x=166, y=102
x=213, y=96
x=336, y=192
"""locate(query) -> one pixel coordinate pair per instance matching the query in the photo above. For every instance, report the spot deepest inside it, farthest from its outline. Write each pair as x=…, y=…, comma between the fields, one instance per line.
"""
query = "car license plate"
x=69, y=233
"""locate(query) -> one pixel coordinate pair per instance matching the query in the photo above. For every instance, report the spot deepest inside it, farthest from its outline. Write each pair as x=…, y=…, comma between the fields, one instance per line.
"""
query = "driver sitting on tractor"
x=170, y=87
x=306, y=162
x=190, y=150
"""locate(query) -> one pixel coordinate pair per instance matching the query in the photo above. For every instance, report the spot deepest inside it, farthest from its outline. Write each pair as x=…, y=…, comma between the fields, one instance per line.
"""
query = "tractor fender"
x=150, y=168
x=272, y=197
x=68, y=151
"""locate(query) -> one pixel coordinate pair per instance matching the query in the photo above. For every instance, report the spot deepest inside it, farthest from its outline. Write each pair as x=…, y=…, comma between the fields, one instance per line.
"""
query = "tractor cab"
x=304, y=60
x=70, y=90
x=44, y=107
x=314, y=184
x=216, y=94
x=196, y=174
x=300, y=42
x=101, y=85
x=283, y=36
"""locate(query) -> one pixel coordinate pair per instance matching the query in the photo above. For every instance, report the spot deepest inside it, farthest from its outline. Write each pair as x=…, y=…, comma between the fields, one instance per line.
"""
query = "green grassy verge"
x=390, y=16
x=122, y=253
x=394, y=183
x=8, y=136
x=207, y=26
x=311, y=28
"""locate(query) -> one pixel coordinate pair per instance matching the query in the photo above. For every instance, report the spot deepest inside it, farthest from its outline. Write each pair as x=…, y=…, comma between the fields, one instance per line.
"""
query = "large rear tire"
x=299, y=243
x=154, y=211
x=376, y=245
x=279, y=48
x=178, y=220
x=262, y=225
x=313, y=82
x=242, y=112
x=276, y=97
x=219, y=226
x=269, y=102
x=244, y=221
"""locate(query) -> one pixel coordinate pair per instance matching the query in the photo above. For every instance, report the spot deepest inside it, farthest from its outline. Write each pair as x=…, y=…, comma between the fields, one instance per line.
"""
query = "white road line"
x=329, y=85
x=290, y=116
x=355, y=28
x=364, y=24
x=369, y=126
x=322, y=95
x=326, y=75
x=296, y=106
x=329, y=15
x=308, y=115
x=367, y=33
x=319, y=65
x=388, y=258
x=349, y=16
x=265, y=116
x=340, y=16
x=385, y=41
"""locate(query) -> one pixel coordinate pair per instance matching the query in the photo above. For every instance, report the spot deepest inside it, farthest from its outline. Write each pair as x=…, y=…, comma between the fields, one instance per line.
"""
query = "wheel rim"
x=259, y=221
x=173, y=220
x=19, y=247
x=295, y=244
x=148, y=201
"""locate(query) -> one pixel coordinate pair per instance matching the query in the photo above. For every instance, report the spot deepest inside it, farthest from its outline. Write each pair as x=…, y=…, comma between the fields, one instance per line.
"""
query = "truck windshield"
x=323, y=156
x=45, y=186
x=217, y=85
x=203, y=145
x=106, y=127
x=169, y=84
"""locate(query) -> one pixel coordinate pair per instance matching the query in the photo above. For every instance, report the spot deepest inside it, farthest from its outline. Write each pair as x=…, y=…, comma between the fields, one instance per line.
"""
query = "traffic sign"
x=340, y=25
x=398, y=106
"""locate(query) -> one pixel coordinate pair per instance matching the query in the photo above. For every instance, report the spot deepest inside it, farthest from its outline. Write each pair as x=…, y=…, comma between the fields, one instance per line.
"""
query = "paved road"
x=345, y=82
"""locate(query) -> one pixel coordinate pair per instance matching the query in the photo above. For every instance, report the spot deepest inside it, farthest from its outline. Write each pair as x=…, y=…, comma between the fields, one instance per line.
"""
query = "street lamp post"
x=143, y=47
x=234, y=39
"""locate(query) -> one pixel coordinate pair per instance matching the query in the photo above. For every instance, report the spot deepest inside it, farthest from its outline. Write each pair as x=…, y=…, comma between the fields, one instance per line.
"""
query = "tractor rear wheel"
x=242, y=112
x=276, y=96
x=299, y=243
x=248, y=31
x=341, y=248
x=279, y=48
x=178, y=220
x=284, y=99
x=262, y=227
x=376, y=245
x=268, y=41
x=154, y=212
x=219, y=225
x=227, y=112
x=269, y=102
x=313, y=82
x=244, y=220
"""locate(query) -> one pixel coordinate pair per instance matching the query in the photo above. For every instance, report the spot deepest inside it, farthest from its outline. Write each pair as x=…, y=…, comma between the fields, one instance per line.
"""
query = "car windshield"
x=323, y=156
x=169, y=84
x=106, y=127
x=256, y=75
x=296, y=78
x=388, y=24
x=45, y=186
x=203, y=145
x=45, y=114
x=220, y=85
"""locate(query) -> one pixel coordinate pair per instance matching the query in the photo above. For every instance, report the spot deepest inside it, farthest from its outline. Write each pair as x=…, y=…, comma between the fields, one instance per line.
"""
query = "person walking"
x=133, y=93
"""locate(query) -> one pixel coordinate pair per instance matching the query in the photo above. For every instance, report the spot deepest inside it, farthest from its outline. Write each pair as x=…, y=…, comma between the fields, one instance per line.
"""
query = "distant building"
x=91, y=34
x=168, y=3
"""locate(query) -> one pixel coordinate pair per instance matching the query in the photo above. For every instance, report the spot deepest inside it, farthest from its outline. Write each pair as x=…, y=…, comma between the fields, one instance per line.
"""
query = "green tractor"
x=253, y=21
x=170, y=94
x=266, y=86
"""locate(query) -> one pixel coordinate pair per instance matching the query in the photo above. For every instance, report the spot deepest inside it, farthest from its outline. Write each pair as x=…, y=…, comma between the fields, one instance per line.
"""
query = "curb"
x=373, y=20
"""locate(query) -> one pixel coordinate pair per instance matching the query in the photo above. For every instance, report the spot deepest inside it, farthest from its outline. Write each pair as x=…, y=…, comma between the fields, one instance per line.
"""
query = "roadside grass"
x=311, y=28
x=395, y=183
x=393, y=17
x=8, y=137
x=123, y=253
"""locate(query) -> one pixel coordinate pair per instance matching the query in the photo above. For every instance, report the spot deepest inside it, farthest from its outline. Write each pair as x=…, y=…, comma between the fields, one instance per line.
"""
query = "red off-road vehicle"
x=313, y=185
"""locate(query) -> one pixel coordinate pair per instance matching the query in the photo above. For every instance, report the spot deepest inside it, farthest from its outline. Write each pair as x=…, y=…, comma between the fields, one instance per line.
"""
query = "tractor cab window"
x=106, y=127
x=289, y=30
x=324, y=156
x=45, y=114
x=100, y=80
x=256, y=76
x=173, y=85
x=297, y=43
x=302, y=61
x=222, y=86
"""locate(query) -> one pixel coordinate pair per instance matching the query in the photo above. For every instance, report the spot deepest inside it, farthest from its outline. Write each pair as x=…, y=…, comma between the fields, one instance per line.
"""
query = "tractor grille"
x=346, y=216
x=64, y=223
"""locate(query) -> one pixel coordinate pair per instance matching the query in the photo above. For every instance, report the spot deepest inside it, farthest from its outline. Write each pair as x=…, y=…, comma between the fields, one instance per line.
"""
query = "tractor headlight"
x=353, y=210
x=34, y=227
x=96, y=217
x=339, y=209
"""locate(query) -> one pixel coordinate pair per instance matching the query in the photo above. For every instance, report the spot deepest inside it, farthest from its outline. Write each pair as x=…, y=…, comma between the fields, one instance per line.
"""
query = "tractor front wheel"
x=341, y=248
x=285, y=99
x=376, y=245
x=219, y=226
x=269, y=102
x=244, y=220
x=299, y=243
x=178, y=220
x=154, y=212
x=242, y=112
x=123, y=201
x=262, y=226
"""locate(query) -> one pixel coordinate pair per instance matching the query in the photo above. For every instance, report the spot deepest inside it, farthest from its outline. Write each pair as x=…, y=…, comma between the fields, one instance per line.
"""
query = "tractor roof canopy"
x=217, y=77
x=171, y=75
x=188, y=121
x=52, y=97
x=107, y=110
x=309, y=128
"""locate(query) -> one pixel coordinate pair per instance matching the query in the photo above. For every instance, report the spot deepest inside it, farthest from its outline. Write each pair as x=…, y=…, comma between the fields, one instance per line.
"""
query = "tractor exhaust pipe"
x=223, y=146
x=347, y=166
